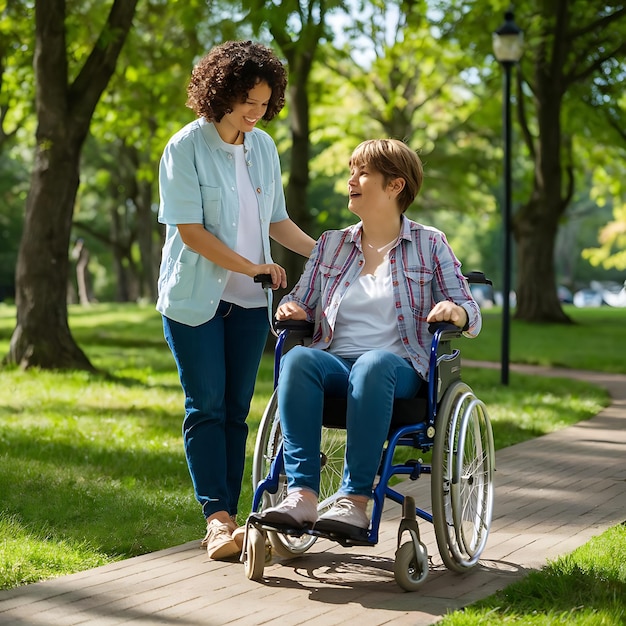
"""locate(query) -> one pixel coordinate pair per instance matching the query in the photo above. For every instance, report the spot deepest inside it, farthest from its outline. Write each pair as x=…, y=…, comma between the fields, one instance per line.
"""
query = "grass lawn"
x=92, y=467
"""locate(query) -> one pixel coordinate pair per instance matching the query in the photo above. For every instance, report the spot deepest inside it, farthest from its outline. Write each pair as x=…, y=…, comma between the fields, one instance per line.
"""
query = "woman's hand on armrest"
x=290, y=311
x=447, y=311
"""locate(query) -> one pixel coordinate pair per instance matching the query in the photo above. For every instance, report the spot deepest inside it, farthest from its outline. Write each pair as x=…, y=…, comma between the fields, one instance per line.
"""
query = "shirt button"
x=346, y=284
x=395, y=283
x=361, y=263
x=258, y=190
x=401, y=317
x=234, y=224
x=232, y=189
x=326, y=339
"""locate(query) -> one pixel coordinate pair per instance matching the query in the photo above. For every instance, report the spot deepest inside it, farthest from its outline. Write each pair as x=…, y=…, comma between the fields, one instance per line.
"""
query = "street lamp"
x=507, y=47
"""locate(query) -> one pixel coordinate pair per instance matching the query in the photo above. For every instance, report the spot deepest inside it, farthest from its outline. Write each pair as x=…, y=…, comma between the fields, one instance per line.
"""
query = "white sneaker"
x=345, y=518
x=295, y=511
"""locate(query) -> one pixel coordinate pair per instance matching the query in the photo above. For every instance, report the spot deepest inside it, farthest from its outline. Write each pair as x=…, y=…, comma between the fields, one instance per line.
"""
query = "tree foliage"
x=419, y=70
x=571, y=51
x=70, y=78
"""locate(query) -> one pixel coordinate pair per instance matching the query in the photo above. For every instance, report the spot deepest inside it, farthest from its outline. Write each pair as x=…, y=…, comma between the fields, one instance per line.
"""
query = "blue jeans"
x=370, y=384
x=217, y=364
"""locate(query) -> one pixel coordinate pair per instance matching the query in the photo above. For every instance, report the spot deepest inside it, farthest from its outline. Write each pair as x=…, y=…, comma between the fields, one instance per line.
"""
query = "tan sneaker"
x=219, y=542
x=238, y=536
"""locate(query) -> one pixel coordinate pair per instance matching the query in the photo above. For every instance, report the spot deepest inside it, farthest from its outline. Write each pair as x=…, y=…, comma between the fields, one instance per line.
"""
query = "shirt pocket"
x=211, y=203
x=329, y=276
x=182, y=275
x=419, y=287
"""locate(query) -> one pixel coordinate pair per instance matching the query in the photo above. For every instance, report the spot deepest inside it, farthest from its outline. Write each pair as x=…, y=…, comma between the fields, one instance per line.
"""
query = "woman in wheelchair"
x=371, y=289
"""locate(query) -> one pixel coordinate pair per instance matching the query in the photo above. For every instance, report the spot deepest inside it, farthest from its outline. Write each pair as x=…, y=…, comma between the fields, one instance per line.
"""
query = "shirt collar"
x=356, y=231
x=212, y=137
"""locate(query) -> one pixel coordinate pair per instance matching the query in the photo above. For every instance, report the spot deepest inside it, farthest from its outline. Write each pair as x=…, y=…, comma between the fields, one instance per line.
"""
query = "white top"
x=241, y=289
x=366, y=319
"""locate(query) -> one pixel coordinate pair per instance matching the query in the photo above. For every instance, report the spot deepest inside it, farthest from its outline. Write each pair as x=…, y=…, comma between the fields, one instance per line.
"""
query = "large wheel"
x=268, y=442
x=462, y=477
x=410, y=567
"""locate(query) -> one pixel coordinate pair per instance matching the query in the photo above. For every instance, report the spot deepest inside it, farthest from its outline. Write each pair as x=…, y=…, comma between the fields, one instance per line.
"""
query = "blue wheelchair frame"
x=449, y=421
x=413, y=435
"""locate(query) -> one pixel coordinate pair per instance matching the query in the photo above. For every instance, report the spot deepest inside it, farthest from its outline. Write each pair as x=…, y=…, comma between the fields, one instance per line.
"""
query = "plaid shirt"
x=424, y=271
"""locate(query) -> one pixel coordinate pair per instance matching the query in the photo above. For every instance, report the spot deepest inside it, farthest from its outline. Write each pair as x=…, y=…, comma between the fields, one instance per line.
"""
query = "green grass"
x=584, y=588
x=589, y=343
x=92, y=467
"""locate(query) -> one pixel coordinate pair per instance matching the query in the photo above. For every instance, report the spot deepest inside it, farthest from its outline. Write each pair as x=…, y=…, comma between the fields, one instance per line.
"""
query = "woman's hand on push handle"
x=278, y=274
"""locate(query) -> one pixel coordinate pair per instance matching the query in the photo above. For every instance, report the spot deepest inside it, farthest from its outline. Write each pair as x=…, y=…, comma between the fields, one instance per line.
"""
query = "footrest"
x=347, y=541
x=285, y=529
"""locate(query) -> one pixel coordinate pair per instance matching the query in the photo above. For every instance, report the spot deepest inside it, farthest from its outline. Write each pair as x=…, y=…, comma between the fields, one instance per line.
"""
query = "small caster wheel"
x=254, y=563
x=410, y=567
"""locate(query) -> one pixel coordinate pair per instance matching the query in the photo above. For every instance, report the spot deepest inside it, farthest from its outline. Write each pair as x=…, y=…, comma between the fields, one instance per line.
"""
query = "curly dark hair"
x=228, y=72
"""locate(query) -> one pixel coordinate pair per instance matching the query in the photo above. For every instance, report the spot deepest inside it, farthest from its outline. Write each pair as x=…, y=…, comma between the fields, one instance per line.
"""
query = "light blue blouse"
x=197, y=185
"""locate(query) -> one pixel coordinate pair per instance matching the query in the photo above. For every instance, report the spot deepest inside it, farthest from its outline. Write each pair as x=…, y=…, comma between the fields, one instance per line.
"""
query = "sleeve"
x=307, y=291
x=450, y=284
x=179, y=187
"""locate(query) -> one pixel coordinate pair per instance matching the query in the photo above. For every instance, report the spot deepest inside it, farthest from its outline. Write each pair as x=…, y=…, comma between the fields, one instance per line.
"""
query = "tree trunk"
x=296, y=192
x=300, y=61
x=537, y=299
x=42, y=336
x=145, y=239
x=536, y=223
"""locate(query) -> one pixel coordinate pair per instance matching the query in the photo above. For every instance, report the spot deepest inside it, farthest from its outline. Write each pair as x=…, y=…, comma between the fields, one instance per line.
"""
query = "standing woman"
x=221, y=199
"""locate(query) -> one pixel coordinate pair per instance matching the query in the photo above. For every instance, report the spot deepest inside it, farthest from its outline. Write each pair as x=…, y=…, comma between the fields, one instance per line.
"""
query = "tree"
x=64, y=110
x=414, y=89
x=570, y=48
x=297, y=28
x=573, y=47
x=143, y=106
x=16, y=96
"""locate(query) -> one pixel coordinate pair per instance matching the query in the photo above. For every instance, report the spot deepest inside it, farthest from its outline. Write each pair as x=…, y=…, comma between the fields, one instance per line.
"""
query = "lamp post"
x=507, y=47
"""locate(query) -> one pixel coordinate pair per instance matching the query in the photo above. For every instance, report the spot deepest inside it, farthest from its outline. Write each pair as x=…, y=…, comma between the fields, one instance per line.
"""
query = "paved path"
x=552, y=495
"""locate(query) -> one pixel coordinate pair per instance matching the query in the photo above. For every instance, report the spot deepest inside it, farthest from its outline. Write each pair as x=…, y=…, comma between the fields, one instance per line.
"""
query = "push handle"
x=477, y=278
x=264, y=279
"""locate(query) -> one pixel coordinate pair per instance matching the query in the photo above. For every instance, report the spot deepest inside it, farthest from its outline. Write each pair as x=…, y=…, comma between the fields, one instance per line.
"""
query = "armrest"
x=301, y=326
x=446, y=330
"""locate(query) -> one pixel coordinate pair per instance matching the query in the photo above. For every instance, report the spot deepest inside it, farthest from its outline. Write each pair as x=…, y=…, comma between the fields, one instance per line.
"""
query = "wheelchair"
x=446, y=419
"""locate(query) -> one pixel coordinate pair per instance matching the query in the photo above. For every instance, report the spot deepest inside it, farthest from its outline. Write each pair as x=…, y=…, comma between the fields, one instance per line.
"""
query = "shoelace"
x=344, y=506
x=214, y=530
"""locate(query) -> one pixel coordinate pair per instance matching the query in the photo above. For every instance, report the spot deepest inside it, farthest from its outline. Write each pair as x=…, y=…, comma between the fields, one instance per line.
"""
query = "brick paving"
x=552, y=495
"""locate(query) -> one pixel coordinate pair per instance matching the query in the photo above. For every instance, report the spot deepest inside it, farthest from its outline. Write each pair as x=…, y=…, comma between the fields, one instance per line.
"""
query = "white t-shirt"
x=241, y=289
x=366, y=319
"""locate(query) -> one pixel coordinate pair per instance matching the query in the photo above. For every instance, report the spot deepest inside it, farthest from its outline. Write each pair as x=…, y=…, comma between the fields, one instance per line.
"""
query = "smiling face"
x=367, y=190
x=245, y=115
x=399, y=169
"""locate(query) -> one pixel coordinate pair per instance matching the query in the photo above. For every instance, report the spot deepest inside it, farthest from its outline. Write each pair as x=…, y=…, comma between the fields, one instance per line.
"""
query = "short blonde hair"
x=393, y=159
